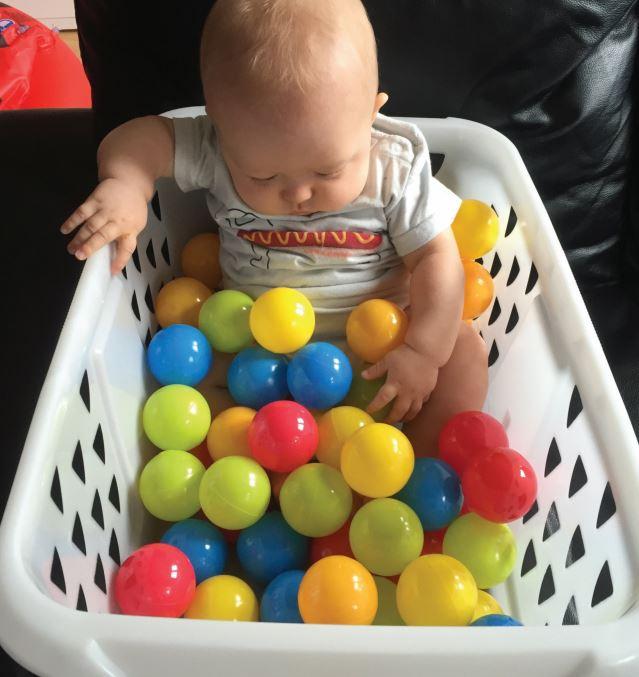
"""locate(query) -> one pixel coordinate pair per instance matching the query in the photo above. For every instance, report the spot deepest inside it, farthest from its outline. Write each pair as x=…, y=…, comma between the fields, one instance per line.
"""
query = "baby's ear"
x=380, y=100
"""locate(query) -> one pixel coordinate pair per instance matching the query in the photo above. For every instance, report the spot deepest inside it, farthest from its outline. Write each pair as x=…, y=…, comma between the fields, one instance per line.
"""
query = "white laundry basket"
x=74, y=514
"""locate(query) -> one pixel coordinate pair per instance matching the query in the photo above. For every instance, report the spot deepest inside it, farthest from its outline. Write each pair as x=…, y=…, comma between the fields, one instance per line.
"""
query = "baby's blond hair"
x=284, y=45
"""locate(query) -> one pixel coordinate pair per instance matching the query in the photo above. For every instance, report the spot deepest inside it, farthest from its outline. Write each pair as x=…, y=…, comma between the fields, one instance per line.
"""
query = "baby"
x=311, y=188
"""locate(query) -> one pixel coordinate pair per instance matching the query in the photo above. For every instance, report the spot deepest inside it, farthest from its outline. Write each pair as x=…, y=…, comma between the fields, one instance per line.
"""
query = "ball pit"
x=257, y=377
x=179, y=354
x=228, y=434
x=179, y=302
x=224, y=320
x=224, y=598
x=334, y=428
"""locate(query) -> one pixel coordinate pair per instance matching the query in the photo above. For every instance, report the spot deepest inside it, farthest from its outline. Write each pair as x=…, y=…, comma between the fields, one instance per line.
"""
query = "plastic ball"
x=176, y=417
x=224, y=319
x=223, y=598
x=179, y=354
x=315, y=500
x=496, y=620
x=257, y=377
x=387, y=613
x=433, y=492
x=201, y=452
x=385, y=536
x=476, y=229
x=375, y=328
x=337, y=543
x=277, y=481
x=433, y=542
x=319, y=376
x=338, y=590
x=200, y=259
x=479, y=290
x=500, y=485
x=467, y=434
x=270, y=547
x=282, y=320
x=204, y=545
x=279, y=601
x=228, y=434
x=486, y=605
x=283, y=436
x=169, y=485
x=488, y=549
x=436, y=590
x=335, y=427
x=179, y=302
x=377, y=460
x=363, y=392
x=156, y=580
x=234, y=492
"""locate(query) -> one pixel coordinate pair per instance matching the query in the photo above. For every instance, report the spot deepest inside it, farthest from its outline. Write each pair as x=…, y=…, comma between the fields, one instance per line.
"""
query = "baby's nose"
x=297, y=194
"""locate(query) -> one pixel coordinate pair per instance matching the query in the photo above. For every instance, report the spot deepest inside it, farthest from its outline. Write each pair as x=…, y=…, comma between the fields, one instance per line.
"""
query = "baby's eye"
x=263, y=179
x=330, y=175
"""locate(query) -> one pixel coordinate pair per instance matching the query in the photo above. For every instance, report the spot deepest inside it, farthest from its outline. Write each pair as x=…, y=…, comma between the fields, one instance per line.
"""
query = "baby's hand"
x=115, y=211
x=411, y=379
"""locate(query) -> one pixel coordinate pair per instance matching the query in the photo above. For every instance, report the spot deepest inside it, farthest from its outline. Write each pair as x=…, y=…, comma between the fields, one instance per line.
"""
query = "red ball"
x=434, y=542
x=156, y=580
x=467, y=434
x=500, y=485
x=334, y=544
x=202, y=452
x=283, y=436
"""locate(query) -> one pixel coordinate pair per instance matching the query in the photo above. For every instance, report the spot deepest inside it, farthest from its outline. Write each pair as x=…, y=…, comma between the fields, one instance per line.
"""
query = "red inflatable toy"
x=37, y=70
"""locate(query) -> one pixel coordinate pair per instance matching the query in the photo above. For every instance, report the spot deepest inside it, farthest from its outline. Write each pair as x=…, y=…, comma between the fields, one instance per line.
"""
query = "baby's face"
x=300, y=157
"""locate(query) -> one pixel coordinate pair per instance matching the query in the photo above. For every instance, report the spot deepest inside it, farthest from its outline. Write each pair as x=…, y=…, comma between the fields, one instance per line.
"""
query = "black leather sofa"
x=558, y=77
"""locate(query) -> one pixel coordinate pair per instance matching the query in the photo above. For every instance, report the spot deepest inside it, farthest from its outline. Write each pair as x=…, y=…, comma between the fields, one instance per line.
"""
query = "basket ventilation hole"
x=78, y=463
x=98, y=443
x=547, y=589
x=436, y=162
x=603, y=586
x=607, y=507
x=513, y=319
x=552, y=525
x=575, y=408
x=114, y=548
x=99, y=578
x=56, y=491
x=135, y=257
x=534, y=509
x=576, y=549
x=85, y=393
x=148, y=299
x=96, y=510
x=77, y=535
x=495, y=313
x=134, y=306
x=165, y=252
x=512, y=222
x=530, y=559
x=494, y=354
x=578, y=479
x=496, y=267
x=571, y=617
x=553, y=459
x=81, y=604
x=150, y=254
x=532, y=279
x=155, y=205
x=57, y=574
x=114, y=494
x=514, y=272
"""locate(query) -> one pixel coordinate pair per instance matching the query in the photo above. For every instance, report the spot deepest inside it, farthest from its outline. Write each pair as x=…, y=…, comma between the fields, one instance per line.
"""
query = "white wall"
x=53, y=13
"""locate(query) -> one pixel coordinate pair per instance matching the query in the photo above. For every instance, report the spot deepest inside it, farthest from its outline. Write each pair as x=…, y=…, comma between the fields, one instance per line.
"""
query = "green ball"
x=169, y=485
x=362, y=393
x=315, y=500
x=487, y=549
x=385, y=536
x=387, y=613
x=235, y=492
x=176, y=417
x=224, y=320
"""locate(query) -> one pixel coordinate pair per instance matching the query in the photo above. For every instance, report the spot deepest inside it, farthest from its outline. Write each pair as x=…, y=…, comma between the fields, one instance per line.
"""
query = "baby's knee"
x=471, y=346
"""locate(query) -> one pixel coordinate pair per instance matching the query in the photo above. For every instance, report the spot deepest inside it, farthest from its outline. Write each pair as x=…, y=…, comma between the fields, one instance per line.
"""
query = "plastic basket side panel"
x=574, y=564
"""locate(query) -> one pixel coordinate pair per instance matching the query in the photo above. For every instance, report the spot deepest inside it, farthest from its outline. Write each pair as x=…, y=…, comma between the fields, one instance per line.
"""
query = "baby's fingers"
x=385, y=395
x=90, y=228
x=124, y=248
x=84, y=212
x=376, y=370
x=400, y=409
x=99, y=238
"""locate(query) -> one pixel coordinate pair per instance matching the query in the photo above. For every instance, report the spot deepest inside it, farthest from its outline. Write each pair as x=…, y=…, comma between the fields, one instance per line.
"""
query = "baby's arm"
x=436, y=301
x=130, y=159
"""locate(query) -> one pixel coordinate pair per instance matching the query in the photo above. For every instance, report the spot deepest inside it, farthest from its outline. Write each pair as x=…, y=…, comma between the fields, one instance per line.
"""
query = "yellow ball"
x=282, y=320
x=335, y=427
x=223, y=598
x=486, y=605
x=375, y=328
x=476, y=229
x=377, y=460
x=436, y=590
x=228, y=434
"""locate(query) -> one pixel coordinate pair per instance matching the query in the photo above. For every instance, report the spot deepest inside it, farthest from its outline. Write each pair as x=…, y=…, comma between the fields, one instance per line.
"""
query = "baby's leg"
x=461, y=386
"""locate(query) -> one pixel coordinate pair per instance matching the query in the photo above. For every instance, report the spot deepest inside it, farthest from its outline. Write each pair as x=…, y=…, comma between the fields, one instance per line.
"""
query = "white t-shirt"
x=337, y=259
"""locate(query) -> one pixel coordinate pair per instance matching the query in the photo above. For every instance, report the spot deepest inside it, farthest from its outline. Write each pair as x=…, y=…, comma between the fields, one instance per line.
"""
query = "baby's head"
x=291, y=87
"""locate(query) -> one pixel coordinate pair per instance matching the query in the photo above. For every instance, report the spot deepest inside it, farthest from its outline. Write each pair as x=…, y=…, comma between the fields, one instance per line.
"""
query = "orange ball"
x=179, y=302
x=479, y=290
x=201, y=259
x=338, y=590
x=375, y=328
x=228, y=434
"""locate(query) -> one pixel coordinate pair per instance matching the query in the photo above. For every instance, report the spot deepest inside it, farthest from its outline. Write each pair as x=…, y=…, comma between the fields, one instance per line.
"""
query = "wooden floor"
x=71, y=38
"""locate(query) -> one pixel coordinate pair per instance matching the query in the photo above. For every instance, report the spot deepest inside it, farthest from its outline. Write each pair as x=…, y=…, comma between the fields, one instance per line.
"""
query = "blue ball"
x=271, y=546
x=433, y=492
x=495, y=620
x=179, y=354
x=203, y=543
x=279, y=601
x=256, y=377
x=319, y=376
